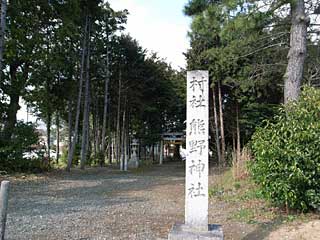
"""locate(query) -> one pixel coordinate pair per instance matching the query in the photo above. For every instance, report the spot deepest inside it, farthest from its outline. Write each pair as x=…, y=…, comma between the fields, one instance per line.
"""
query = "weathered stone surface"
x=183, y=232
x=197, y=135
x=4, y=196
x=197, y=165
x=133, y=163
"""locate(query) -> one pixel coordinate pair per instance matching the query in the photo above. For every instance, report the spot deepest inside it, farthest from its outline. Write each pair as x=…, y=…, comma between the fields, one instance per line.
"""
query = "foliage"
x=287, y=155
x=242, y=199
x=244, y=44
x=234, y=41
x=64, y=157
x=42, y=66
x=13, y=152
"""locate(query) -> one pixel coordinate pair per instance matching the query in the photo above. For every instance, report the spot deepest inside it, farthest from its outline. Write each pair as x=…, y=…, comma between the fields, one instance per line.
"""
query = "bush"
x=287, y=154
x=12, y=150
x=75, y=159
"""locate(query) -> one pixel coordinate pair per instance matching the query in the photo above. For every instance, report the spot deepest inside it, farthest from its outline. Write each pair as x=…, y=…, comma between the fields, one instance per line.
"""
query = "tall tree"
x=216, y=125
x=235, y=43
x=21, y=32
x=298, y=51
x=118, y=133
x=105, y=110
x=57, y=137
x=223, y=142
x=86, y=107
x=82, y=66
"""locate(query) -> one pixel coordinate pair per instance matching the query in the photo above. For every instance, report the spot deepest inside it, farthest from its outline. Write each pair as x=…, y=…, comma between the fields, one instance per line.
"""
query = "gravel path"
x=101, y=203
x=97, y=204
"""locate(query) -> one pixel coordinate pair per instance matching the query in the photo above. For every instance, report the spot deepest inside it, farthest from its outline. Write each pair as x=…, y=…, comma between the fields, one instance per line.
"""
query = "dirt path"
x=106, y=204
x=97, y=204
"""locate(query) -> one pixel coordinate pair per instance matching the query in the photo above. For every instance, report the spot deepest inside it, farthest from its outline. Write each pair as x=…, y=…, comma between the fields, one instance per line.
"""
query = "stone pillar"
x=197, y=135
x=196, y=188
x=134, y=162
x=161, y=153
x=4, y=195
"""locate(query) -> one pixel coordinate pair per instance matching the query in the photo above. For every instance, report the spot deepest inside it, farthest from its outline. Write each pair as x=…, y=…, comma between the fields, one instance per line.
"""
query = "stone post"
x=161, y=153
x=4, y=194
x=196, y=187
x=134, y=161
x=197, y=151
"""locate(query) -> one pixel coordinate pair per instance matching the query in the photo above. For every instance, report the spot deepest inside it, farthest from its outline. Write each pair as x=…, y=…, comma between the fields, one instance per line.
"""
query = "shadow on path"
x=263, y=230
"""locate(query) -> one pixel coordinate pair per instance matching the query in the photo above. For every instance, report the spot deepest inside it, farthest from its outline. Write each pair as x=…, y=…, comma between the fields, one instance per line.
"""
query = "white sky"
x=159, y=26
x=24, y=115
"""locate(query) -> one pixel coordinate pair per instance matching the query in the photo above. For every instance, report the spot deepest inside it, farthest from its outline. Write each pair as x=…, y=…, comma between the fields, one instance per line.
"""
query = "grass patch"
x=229, y=190
x=244, y=198
x=144, y=166
x=246, y=202
x=244, y=215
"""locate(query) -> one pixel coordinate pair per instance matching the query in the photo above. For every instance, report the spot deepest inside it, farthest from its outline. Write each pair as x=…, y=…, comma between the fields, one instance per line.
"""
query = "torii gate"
x=175, y=138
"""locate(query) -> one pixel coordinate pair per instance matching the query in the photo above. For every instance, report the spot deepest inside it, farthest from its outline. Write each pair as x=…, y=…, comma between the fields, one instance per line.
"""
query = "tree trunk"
x=215, y=116
x=2, y=31
x=125, y=150
x=95, y=130
x=121, y=150
x=85, y=125
x=88, y=149
x=297, y=53
x=105, y=109
x=58, y=137
x=113, y=148
x=118, y=119
x=75, y=134
x=123, y=140
x=110, y=140
x=13, y=107
x=234, y=147
x=98, y=133
x=69, y=124
x=48, y=135
x=145, y=153
x=223, y=144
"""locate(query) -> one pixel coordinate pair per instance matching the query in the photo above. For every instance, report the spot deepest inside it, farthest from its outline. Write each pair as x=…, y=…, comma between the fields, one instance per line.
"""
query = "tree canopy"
x=70, y=61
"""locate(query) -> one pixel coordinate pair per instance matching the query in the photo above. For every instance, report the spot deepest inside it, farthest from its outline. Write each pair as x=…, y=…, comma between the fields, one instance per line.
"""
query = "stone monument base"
x=183, y=232
x=133, y=163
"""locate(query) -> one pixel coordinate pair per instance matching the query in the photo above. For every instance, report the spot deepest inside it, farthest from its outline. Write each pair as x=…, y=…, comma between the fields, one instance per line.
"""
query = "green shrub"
x=12, y=151
x=287, y=154
x=75, y=159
